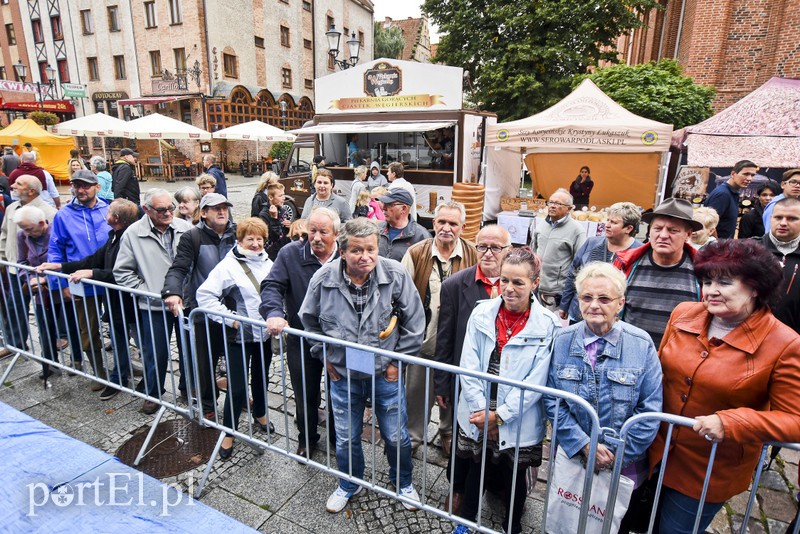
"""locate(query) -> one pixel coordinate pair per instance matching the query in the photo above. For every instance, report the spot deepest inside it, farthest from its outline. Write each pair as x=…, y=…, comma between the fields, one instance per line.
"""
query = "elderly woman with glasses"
x=622, y=222
x=611, y=364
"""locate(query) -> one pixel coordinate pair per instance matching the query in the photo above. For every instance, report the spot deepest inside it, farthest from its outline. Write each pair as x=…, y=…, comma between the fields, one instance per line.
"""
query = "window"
x=286, y=78
x=55, y=24
x=309, y=83
x=180, y=60
x=331, y=64
x=119, y=68
x=175, y=15
x=285, y=36
x=259, y=42
x=43, y=71
x=155, y=63
x=329, y=21
x=113, y=19
x=86, y=22
x=2, y=72
x=361, y=38
x=307, y=43
x=229, y=65
x=94, y=73
x=12, y=38
x=38, y=34
x=63, y=70
x=306, y=5
x=149, y=14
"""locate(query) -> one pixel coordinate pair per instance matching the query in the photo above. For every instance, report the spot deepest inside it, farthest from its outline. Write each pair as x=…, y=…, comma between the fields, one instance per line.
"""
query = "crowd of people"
x=684, y=323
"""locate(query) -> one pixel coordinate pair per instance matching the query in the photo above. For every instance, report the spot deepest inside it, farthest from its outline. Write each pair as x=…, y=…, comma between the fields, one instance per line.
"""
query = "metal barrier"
x=151, y=321
x=671, y=421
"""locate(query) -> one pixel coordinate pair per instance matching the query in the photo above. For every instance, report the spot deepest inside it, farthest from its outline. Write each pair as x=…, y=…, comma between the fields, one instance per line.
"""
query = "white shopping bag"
x=566, y=493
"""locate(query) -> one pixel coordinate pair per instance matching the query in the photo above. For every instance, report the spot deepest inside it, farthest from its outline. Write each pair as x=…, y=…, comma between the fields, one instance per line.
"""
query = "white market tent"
x=158, y=127
x=95, y=125
x=254, y=131
x=625, y=152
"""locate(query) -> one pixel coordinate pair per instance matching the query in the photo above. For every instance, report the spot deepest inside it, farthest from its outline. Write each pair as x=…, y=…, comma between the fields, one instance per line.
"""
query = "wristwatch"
x=498, y=419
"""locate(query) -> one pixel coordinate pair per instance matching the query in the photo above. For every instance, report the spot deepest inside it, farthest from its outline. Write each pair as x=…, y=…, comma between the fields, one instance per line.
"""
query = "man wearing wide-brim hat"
x=660, y=273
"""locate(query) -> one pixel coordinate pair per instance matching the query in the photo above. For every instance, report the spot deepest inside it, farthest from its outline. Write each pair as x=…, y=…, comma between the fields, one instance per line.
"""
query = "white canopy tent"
x=624, y=151
x=95, y=125
x=254, y=131
x=157, y=127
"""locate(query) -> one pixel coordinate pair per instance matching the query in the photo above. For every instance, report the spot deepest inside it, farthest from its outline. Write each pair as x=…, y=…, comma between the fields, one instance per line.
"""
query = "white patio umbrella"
x=157, y=126
x=95, y=125
x=254, y=131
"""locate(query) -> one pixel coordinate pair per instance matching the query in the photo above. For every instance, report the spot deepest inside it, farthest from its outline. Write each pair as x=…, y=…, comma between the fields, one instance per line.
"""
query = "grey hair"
x=32, y=182
x=359, y=227
x=564, y=191
x=30, y=214
x=28, y=157
x=98, y=162
x=188, y=191
x=150, y=194
x=453, y=205
x=599, y=269
x=211, y=158
x=329, y=213
x=629, y=212
x=126, y=211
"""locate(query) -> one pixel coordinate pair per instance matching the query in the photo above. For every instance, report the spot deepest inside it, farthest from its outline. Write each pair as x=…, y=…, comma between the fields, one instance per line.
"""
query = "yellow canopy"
x=53, y=149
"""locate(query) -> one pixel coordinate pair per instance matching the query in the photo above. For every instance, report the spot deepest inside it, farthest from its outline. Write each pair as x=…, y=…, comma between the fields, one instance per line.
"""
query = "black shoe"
x=109, y=393
x=45, y=374
x=268, y=428
x=224, y=453
x=140, y=386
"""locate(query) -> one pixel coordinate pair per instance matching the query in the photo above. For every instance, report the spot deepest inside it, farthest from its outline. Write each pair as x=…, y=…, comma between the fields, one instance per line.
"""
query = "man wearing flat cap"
x=399, y=231
x=78, y=231
x=124, y=182
x=661, y=272
x=791, y=189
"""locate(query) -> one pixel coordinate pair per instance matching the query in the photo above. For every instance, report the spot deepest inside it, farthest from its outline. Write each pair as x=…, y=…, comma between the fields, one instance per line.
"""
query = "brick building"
x=732, y=45
x=416, y=36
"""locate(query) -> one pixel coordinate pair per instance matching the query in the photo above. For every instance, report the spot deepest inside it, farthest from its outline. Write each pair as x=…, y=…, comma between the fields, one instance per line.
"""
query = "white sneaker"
x=339, y=498
x=412, y=494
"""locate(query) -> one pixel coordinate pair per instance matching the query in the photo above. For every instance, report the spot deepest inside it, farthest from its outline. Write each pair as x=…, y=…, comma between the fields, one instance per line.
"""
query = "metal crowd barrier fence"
x=671, y=421
x=149, y=321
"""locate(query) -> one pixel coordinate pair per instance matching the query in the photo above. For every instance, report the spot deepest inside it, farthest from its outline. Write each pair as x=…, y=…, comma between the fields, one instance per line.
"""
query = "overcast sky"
x=401, y=9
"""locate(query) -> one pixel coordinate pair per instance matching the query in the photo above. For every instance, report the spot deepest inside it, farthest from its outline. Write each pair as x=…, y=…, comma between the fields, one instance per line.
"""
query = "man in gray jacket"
x=146, y=253
x=356, y=299
x=556, y=240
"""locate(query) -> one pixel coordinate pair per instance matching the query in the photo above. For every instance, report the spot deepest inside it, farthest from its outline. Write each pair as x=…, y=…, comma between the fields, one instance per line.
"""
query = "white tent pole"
x=257, y=158
x=522, y=171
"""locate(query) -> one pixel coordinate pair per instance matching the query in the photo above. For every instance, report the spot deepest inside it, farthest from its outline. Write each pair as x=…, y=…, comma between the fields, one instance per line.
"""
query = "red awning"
x=53, y=106
x=149, y=100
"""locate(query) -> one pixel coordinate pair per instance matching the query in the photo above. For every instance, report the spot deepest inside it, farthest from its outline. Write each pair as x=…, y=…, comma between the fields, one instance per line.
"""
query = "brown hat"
x=791, y=172
x=677, y=208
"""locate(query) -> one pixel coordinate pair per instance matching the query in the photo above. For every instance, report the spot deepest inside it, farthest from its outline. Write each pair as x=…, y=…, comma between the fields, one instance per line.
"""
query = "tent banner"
x=582, y=137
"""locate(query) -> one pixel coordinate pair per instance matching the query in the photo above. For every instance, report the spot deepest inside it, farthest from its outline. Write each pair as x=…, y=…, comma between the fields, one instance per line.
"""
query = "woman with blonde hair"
x=709, y=218
x=260, y=199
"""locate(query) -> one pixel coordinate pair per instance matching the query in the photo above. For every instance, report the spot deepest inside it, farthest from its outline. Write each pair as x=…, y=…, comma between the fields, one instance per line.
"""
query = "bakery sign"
x=386, y=85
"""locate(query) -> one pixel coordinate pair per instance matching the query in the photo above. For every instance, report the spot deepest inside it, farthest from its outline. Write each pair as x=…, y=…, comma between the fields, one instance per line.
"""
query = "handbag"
x=565, y=495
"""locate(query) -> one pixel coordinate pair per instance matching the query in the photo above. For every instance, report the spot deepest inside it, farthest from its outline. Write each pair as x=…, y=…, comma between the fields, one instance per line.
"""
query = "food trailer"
x=386, y=111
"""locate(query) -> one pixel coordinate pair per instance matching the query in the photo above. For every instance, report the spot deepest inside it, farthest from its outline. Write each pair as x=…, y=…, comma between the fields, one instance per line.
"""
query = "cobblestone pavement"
x=275, y=494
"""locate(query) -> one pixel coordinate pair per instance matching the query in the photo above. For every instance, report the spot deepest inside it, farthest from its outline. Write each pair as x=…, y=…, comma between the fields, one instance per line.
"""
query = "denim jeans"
x=677, y=513
x=156, y=331
x=389, y=406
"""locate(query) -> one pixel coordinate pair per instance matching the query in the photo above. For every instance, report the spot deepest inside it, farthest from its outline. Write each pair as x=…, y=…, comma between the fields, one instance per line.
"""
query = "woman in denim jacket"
x=509, y=337
x=611, y=364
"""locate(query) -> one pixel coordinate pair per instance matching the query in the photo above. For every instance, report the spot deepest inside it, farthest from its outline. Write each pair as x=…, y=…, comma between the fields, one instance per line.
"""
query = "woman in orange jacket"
x=733, y=367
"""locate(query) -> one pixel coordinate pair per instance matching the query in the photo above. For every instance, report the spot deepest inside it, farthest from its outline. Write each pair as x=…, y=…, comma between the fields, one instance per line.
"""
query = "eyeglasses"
x=793, y=183
x=603, y=300
x=162, y=211
x=82, y=185
x=558, y=204
x=496, y=249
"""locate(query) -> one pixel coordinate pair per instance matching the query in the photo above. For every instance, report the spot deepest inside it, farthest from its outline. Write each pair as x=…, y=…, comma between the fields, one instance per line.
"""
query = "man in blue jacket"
x=210, y=166
x=282, y=294
x=78, y=231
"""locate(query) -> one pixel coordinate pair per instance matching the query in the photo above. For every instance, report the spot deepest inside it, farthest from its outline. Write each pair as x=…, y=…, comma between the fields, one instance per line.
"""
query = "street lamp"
x=284, y=122
x=353, y=45
x=22, y=72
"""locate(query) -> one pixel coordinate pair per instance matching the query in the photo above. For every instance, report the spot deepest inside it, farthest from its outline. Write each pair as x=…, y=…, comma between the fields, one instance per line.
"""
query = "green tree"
x=388, y=43
x=523, y=55
x=280, y=150
x=656, y=90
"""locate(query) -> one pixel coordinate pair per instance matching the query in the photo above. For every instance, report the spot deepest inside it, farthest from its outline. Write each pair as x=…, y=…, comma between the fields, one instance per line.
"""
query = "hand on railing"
x=77, y=276
x=275, y=325
x=174, y=303
x=48, y=267
x=710, y=427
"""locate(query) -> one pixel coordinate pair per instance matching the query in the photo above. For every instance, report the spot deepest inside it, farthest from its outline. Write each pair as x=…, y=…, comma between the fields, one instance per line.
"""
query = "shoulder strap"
x=249, y=273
